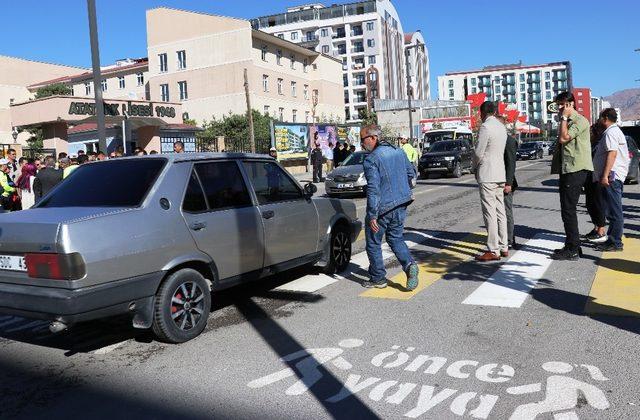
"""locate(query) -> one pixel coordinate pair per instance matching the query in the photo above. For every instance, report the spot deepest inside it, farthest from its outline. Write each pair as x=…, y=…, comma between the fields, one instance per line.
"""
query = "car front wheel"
x=339, y=250
x=182, y=306
x=457, y=170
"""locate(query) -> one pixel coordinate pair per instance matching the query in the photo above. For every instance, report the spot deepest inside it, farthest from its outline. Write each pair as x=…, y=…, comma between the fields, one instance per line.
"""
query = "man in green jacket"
x=572, y=160
x=412, y=153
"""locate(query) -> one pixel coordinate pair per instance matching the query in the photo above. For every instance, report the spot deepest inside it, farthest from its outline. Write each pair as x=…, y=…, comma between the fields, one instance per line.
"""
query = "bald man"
x=389, y=174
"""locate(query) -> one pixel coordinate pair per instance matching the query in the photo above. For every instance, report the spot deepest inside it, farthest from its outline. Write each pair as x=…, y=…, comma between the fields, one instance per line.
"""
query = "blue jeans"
x=392, y=227
x=613, y=203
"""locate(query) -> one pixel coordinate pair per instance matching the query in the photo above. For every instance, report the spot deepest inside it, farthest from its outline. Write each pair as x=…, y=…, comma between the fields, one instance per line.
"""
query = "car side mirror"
x=310, y=189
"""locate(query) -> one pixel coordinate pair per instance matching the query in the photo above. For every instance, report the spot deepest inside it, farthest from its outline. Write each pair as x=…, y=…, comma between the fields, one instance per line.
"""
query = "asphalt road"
x=510, y=339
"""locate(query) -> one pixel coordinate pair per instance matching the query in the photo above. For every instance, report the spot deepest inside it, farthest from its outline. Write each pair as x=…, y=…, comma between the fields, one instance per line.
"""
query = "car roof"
x=190, y=157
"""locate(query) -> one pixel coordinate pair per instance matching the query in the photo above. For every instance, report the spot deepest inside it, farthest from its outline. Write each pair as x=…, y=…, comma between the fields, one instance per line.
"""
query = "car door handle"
x=198, y=225
x=269, y=214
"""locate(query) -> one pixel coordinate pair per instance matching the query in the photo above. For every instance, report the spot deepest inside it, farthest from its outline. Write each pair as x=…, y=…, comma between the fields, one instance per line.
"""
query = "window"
x=164, y=93
x=305, y=64
x=271, y=183
x=182, y=60
x=194, y=201
x=100, y=184
x=294, y=36
x=371, y=43
x=103, y=85
x=547, y=75
x=264, y=53
x=523, y=106
x=281, y=36
x=369, y=26
x=474, y=90
x=306, y=92
x=87, y=88
x=280, y=86
x=306, y=116
x=163, y=62
x=579, y=93
x=266, y=110
x=223, y=185
x=451, y=93
x=548, y=95
x=279, y=57
x=294, y=115
x=315, y=95
x=265, y=83
x=121, y=82
x=281, y=114
x=372, y=59
x=324, y=32
x=523, y=97
x=522, y=77
x=292, y=58
x=140, y=77
x=294, y=89
x=522, y=87
x=183, y=90
x=11, y=100
x=450, y=83
x=325, y=49
x=547, y=85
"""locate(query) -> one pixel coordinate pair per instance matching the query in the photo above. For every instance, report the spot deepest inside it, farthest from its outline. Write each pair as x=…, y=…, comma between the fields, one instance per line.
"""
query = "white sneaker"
x=599, y=240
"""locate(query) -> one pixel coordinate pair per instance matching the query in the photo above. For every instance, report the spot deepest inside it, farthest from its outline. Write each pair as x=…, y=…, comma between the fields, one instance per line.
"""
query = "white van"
x=434, y=136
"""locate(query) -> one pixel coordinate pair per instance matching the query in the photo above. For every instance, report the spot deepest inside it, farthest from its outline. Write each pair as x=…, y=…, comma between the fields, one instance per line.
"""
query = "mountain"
x=628, y=101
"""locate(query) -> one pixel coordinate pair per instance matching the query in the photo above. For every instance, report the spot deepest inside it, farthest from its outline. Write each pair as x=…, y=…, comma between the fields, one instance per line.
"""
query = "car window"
x=194, y=201
x=355, y=159
x=444, y=146
x=114, y=183
x=223, y=185
x=271, y=183
x=631, y=144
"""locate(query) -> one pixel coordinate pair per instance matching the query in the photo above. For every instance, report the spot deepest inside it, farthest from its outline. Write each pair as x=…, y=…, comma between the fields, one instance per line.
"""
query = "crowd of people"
x=318, y=159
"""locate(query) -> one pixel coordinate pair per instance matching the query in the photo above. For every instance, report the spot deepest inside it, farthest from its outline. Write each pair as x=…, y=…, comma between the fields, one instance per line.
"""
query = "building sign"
x=291, y=141
x=130, y=109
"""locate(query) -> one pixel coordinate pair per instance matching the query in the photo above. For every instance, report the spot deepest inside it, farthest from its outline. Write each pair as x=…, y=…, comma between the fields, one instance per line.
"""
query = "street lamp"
x=14, y=134
x=409, y=92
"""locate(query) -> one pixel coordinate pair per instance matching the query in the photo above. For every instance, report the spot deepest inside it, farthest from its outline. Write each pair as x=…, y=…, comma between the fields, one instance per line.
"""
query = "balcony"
x=559, y=78
x=339, y=35
x=357, y=50
x=359, y=82
x=357, y=33
x=310, y=42
x=358, y=66
x=533, y=89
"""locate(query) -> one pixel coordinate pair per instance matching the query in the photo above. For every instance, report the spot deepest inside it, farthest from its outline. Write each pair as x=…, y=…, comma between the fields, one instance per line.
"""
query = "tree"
x=235, y=129
x=36, y=141
x=52, y=90
x=369, y=117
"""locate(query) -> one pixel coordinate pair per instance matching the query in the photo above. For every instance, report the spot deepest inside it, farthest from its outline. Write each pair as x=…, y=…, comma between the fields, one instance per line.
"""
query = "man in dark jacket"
x=46, y=179
x=339, y=154
x=316, y=161
x=510, y=185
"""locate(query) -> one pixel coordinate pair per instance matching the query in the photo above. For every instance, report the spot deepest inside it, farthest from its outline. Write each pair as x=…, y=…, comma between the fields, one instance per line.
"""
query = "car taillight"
x=55, y=266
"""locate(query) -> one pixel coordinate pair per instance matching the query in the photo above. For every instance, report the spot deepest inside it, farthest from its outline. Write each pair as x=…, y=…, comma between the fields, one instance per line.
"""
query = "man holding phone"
x=572, y=160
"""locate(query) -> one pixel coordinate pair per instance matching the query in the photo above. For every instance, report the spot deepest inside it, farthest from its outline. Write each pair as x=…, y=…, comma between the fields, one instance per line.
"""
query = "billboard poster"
x=350, y=135
x=326, y=137
x=291, y=141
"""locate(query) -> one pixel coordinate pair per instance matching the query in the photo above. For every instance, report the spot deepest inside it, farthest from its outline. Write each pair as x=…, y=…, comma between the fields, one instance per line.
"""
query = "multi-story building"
x=529, y=87
x=367, y=37
x=418, y=66
x=16, y=74
x=585, y=105
x=199, y=60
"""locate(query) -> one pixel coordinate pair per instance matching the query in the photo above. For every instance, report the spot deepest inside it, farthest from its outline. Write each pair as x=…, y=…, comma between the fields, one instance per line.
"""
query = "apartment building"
x=529, y=87
x=366, y=36
x=199, y=60
x=418, y=66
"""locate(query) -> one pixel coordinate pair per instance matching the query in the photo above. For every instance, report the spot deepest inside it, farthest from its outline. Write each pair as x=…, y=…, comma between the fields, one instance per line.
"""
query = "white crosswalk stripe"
x=509, y=287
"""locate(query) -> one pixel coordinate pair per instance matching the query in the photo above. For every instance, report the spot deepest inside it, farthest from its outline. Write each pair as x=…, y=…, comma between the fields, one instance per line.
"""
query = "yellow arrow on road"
x=432, y=269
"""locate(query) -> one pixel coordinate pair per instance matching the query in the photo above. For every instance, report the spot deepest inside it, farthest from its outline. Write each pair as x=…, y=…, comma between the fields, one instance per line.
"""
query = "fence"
x=214, y=144
x=35, y=153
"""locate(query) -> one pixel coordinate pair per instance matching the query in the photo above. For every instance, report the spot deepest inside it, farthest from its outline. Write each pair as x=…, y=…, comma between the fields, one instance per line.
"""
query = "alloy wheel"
x=341, y=249
x=187, y=305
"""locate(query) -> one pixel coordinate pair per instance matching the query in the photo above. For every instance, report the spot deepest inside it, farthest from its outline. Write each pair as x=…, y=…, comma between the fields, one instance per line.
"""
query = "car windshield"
x=355, y=159
x=439, y=136
x=444, y=146
x=115, y=183
x=527, y=146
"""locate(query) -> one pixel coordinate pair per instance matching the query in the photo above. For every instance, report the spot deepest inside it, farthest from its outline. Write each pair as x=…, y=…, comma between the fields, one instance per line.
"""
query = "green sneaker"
x=368, y=284
x=412, y=277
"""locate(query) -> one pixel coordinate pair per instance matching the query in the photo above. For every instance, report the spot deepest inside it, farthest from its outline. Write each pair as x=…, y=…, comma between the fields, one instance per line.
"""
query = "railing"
x=211, y=144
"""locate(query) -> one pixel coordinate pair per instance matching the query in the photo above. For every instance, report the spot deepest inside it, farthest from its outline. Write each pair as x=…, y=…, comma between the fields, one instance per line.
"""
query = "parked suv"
x=530, y=150
x=450, y=157
x=154, y=236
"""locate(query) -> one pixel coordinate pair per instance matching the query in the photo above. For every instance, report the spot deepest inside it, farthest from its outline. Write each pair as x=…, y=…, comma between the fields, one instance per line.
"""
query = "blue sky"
x=461, y=35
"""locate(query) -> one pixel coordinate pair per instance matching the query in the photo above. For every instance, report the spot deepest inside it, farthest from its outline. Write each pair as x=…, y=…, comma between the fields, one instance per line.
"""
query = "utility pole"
x=97, y=76
x=252, y=137
x=409, y=92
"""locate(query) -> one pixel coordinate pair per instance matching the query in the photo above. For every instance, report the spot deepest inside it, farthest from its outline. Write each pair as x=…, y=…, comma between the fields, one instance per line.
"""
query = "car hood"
x=347, y=170
x=439, y=154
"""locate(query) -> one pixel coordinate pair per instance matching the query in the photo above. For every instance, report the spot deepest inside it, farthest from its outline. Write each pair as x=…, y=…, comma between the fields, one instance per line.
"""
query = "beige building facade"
x=199, y=60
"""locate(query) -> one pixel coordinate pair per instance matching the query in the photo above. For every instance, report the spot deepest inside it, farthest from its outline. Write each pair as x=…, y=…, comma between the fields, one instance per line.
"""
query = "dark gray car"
x=154, y=236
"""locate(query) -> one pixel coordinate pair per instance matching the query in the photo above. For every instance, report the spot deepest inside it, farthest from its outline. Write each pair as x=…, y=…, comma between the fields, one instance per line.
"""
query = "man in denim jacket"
x=388, y=173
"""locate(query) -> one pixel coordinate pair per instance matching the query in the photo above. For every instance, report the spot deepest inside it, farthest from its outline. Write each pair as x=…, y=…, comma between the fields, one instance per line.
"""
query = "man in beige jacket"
x=491, y=176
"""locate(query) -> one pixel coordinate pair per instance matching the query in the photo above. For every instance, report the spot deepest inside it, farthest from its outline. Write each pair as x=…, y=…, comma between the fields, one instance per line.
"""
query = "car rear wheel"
x=182, y=307
x=339, y=250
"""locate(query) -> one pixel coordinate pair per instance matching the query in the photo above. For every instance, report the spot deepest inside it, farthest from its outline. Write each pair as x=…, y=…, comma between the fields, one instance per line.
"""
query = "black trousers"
x=317, y=173
x=595, y=203
x=570, y=189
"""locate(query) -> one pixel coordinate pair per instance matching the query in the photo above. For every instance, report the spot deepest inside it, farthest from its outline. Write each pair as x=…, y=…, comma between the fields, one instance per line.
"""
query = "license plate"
x=435, y=164
x=12, y=262
x=345, y=185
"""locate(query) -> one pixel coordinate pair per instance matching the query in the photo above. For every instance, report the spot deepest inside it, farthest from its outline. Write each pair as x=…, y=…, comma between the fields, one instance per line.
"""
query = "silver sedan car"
x=348, y=177
x=155, y=236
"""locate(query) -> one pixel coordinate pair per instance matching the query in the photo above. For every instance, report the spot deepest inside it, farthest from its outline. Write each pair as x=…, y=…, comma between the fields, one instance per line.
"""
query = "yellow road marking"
x=616, y=287
x=432, y=269
x=360, y=236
